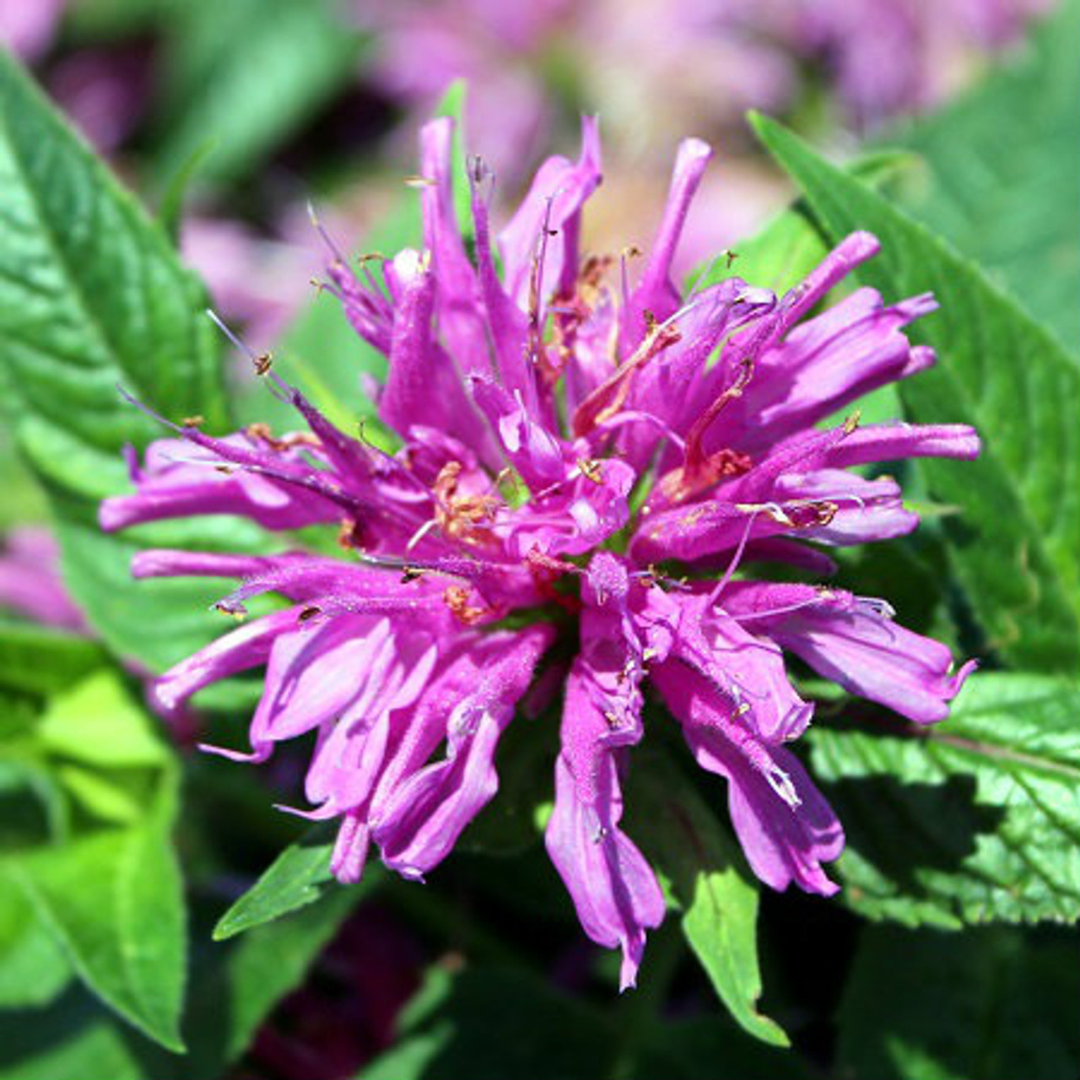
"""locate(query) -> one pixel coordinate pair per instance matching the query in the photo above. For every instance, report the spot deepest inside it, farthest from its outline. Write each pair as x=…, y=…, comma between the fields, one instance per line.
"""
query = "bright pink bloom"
x=30, y=581
x=531, y=405
x=28, y=27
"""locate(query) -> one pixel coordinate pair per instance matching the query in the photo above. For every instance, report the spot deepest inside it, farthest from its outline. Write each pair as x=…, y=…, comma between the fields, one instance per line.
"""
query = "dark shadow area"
x=901, y=828
x=75, y=1021
x=993, y=1002
x=492, y=1024
x=25, y=817
x=807, y=945
x=353, y=122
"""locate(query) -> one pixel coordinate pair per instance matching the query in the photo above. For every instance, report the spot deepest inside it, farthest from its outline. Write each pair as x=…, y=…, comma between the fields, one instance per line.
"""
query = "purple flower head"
x=565, y=438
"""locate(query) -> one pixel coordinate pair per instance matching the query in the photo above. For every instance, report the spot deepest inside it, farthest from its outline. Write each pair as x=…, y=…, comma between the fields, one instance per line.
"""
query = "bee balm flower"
x=563, y=441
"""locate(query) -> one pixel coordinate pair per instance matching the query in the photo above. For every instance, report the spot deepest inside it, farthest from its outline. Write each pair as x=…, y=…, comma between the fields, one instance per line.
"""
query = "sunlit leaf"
x=1000, y=188
x=92, y=295
x=113, y=899
x=974, y=821
x=33, y=967
x=299, y=876
x=1016, y=546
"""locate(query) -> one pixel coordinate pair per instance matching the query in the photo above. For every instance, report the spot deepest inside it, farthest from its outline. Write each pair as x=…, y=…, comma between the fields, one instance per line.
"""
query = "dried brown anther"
x=456, y=598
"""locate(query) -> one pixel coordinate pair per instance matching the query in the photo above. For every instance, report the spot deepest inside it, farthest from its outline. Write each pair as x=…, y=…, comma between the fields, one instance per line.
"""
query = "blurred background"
x=256, y=107
x=230, y=119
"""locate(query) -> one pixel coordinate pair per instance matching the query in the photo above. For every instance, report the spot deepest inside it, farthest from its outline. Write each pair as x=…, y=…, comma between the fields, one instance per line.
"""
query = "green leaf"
x=76, y=1037
x=92, y=295
x=33, y=968
x=97, y=722
x=973, y=821
x=1017, y=544
x=247, y=74
x=24, y=502
x=102, y=796
x=171, y=204
x=718, y=895
x=994, y=1004
x=262, y=968
x=156, y=621
x=1000, y=187
x=234, y=990
x=299, y=876
x=720, y=924
x=39, y=660
x=19, y=713
x=114, y=901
